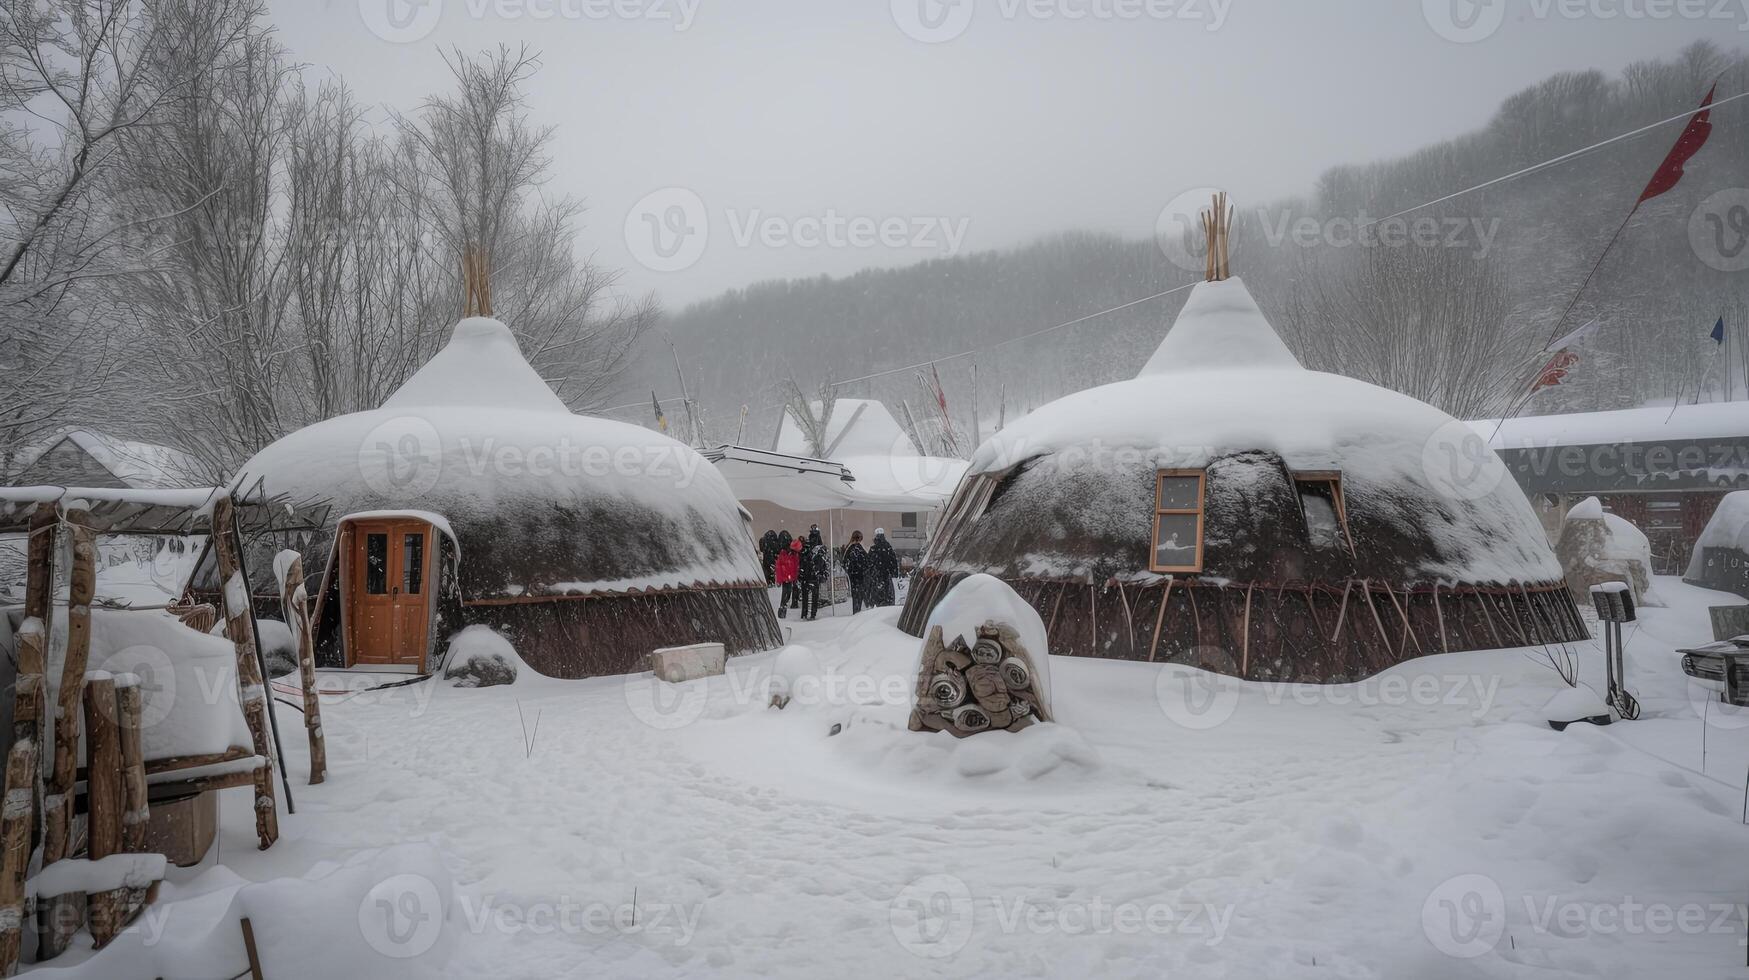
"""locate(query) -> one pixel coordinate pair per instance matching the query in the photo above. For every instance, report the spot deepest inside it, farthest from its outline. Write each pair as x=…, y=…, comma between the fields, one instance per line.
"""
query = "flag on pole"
x=661, y=419
x=1577, y=337
x=1555, y=371
x=1687, y=145
x=1718, y=333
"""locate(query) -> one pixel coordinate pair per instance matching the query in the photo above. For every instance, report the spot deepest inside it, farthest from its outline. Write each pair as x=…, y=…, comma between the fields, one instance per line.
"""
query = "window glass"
x=1323, y=526
x=1178, y=521
x=412, y=562
x=1175, y=539
x=1180, y=493
x=376, y=564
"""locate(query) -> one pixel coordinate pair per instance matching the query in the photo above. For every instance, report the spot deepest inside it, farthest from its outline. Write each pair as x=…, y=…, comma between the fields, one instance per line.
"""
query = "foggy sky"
x=1017, y=122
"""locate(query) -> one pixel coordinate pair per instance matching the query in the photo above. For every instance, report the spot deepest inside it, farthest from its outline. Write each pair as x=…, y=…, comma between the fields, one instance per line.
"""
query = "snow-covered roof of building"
x=858, y=427
x=1653, y=424
x=537, y=496
x=141, y=465
x=886, y=470
x=1222, y=383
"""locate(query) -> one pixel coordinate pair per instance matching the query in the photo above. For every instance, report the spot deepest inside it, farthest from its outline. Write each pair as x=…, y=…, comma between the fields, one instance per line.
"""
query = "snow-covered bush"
x=1597, y=547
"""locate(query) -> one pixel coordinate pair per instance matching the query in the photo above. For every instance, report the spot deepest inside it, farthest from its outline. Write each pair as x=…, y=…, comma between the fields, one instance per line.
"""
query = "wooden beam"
x=1160, y=620
x=240, y=627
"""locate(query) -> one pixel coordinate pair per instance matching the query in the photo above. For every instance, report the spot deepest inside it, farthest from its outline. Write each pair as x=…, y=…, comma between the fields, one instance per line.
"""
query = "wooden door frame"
x=345, y=534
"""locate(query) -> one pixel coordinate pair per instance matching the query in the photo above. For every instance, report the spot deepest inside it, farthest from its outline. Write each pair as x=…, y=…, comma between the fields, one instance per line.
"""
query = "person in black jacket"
x=856, y=569
x=816, y=566
x=883, y=567
x=814, y=539
x=768, y=549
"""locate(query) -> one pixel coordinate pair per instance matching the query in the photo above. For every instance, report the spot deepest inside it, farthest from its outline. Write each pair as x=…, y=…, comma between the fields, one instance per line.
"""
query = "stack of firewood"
x=991, y=684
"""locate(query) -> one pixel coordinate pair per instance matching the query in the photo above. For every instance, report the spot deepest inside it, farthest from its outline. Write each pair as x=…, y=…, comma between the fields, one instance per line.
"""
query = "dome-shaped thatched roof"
x=541, y=501
x=1224, y=394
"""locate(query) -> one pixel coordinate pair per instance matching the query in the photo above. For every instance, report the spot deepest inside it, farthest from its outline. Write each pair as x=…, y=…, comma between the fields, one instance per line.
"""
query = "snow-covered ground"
x=1425, y=823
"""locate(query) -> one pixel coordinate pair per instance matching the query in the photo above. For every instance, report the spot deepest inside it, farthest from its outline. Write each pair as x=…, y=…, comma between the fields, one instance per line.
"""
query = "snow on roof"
x=142, y=465
x=886, y=470
x=1714, y=420
x=1220, y=327
x=482, y=366
x=1206, y=394
x=534, y=493
x=858, y=427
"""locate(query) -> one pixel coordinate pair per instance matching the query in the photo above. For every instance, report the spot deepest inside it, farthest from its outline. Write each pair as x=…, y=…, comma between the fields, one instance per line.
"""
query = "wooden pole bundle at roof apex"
x=1217, y=226
x=476, y=284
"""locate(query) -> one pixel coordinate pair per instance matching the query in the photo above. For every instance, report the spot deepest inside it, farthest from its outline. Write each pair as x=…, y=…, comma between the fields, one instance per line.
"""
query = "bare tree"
x=1431, y=322
x=484, y=165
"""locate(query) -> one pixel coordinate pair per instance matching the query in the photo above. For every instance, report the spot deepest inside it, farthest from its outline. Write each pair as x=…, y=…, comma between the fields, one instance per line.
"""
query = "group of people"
x=802, y=566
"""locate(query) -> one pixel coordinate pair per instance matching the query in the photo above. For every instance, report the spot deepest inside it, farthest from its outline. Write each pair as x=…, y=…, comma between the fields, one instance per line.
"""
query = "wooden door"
x=389, y=592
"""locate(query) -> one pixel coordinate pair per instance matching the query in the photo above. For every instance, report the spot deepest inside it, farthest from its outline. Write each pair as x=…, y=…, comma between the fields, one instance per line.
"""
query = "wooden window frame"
x=1334, y=479
x=1160, y=477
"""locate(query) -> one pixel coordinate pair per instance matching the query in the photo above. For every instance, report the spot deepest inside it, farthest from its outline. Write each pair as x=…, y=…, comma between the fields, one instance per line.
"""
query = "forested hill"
x=1456, y=319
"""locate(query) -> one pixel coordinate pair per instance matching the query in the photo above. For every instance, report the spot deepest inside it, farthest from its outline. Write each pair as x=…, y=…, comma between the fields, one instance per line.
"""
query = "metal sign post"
x=1614, y=602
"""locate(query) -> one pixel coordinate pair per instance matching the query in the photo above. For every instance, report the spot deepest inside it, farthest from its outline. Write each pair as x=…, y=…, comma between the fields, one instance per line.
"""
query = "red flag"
x=1687, y=145
x=1555, y=371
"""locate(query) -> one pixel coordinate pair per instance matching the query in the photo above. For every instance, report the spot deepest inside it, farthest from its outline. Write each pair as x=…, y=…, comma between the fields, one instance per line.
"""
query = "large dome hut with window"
x=1231, y=510
x=475, y=496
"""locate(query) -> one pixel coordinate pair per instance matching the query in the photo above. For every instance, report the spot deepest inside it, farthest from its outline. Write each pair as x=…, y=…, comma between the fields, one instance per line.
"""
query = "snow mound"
x=479, y=656
x=188, y=680
x=1048, y=751
x=794, y=671
x=984, y=598
x=1597, y=547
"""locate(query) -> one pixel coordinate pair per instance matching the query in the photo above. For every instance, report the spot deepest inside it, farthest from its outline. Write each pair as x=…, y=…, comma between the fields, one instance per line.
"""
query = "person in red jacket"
x=788, y=565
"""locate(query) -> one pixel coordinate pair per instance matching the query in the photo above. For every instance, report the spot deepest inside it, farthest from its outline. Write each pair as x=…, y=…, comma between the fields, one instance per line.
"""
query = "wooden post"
x=296, y=604
x=103, y=791
x=1245, y=637
x=239, y=625
x=56, y=916
x=1159, y=620
x=15, y=831
x=1439, y=612
x=136, y=812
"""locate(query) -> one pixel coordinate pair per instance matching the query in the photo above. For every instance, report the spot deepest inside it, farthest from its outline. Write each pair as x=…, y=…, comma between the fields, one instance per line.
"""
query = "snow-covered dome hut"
x=473, y=495
x=1229, y=509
